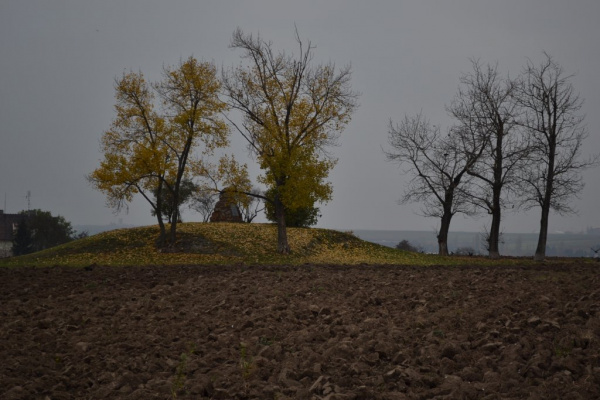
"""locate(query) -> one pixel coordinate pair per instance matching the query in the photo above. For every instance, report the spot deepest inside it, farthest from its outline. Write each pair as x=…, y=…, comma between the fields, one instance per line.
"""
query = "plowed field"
x=307, y=332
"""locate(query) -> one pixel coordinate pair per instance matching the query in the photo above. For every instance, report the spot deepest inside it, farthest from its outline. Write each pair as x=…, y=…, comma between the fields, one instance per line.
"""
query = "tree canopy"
x=39, y=230
x=186, y=191
x=302, y=217
x=148, y=151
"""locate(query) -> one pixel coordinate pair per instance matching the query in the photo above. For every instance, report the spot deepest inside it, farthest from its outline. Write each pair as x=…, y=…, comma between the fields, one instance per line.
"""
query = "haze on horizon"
x=59, y=59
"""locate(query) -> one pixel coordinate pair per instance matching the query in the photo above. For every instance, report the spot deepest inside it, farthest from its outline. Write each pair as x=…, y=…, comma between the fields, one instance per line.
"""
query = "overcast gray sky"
x=58, y=61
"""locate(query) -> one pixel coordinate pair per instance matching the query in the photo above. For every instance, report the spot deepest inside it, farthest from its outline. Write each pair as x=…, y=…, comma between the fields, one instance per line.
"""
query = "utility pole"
x=28, y=197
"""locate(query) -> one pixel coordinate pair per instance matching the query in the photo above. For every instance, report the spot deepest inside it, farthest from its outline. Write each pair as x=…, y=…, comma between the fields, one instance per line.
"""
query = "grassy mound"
x=200, y=243
x=244, y=244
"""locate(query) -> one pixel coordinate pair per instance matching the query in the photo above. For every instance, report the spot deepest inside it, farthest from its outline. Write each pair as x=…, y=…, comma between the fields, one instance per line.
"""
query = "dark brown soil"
x=309, y=332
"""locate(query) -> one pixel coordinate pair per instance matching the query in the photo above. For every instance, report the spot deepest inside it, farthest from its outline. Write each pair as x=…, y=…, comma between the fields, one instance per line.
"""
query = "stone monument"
x=226, y=210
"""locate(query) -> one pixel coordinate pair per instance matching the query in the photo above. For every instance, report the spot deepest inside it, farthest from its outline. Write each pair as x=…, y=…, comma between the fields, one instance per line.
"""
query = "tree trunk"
x=540, y=251
x=494, y=236
x=162, y=236
x=175, y=207
x=173, y=232
x=174, y=219
x=496, y=209
x=282, y=241
x=176, y=187
x=442, y=236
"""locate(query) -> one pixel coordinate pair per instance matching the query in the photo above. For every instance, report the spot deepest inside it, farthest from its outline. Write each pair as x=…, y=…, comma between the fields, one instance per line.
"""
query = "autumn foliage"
x=151, y=147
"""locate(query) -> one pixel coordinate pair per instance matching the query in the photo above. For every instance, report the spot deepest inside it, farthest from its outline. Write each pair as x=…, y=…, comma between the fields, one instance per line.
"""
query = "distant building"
x=8, y=227
x=593, y=231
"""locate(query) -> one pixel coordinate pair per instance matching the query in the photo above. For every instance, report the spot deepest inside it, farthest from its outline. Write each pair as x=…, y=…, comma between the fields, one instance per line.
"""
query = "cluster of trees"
x=516, y=142
x=39, y=230
x=289, y=110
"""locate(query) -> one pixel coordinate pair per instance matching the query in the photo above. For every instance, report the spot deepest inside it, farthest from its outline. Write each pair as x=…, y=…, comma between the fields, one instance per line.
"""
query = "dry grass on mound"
x=239, y=244
x=223, y=243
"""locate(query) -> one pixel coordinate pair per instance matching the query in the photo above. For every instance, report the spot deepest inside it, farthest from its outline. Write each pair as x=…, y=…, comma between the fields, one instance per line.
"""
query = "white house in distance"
x=8, y=227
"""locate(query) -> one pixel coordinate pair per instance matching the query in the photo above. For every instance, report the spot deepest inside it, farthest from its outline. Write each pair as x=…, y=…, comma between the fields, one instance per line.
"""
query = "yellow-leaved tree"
x=291, y=110
x=147, y=152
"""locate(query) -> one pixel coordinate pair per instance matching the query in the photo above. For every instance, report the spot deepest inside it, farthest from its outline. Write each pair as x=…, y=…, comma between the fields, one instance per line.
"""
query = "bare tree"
x=556, y=131
x=486, y=110
x=203, y=202
x=437, y=166
x=253, y=205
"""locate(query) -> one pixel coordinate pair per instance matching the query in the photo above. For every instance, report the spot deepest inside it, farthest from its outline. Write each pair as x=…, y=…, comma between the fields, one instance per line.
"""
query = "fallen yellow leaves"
x=225, y=243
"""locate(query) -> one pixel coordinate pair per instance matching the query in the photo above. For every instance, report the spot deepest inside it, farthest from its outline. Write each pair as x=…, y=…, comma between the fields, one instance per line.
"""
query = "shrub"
x=465, y=251
x=407, y=246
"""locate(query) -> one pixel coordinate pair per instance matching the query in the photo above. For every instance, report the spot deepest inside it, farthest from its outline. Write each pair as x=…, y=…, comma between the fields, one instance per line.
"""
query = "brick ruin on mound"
x=226, y=210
